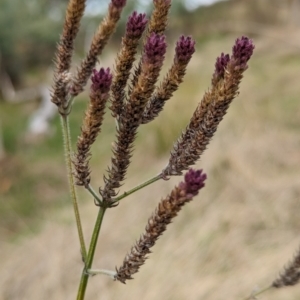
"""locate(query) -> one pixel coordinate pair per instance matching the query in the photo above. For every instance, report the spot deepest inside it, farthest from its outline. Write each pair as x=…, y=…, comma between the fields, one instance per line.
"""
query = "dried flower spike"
x=167, y=209
x=211, y=110
x=74, y=14
x=100, y=39
x=185, y=48
x=157, y=24
x=291, y=274
x=59, y=95
x=153, y=56
x=159, y=18
x=101, y=81
x=134, y=29
x=64, y=53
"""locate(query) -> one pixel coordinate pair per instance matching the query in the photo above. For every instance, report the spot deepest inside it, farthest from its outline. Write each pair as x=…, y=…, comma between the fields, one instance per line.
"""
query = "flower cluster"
x=211, y=110
x=136, y=97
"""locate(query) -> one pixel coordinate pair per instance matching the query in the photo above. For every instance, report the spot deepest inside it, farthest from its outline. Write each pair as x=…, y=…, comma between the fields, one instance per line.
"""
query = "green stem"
x=253, y=295
x=109, y=273
x=90, y=257
x=68, y=153
x=140, y=186
x=94, y=194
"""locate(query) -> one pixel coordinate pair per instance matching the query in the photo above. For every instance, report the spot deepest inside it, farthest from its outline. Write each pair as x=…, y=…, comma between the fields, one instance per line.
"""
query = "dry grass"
x=237, y=234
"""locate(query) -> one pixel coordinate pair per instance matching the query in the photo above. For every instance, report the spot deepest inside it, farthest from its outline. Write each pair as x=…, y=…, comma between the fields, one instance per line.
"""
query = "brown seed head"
x=135, y=27
x=211, y=110
x=91, y=126
x=185, y=48
x=74, y=14
x=159, y=18
x=291, y=274
x=64, y=53
x=167, y=209
x=100, y=39
x=60, y=90
x=131, y=117
x=157, y=24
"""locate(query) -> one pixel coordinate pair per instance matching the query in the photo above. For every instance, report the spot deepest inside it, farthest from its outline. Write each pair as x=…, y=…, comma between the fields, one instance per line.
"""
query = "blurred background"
x=232, y=239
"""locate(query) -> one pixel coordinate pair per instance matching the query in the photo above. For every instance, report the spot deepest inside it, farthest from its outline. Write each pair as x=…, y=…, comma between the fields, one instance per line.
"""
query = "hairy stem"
x=253, y=295
x=138, y=187
x=90, y=257
x=68, y=153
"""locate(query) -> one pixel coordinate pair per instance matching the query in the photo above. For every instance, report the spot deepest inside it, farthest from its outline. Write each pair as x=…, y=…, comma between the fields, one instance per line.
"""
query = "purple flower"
x=155, y=48
x=193, y=182
x=242, y=50
x=118, y=3
x=101, y=80
x=136, y=25
x=185, y=47
x=221, y=64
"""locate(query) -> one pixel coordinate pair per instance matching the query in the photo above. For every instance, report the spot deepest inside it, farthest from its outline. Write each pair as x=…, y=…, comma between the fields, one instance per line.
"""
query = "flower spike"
x=163, y=215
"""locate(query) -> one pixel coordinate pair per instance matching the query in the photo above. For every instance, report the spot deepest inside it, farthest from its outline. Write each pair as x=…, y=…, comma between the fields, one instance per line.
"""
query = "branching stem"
x=87, y=271
x=94, y=194
x=138, y=187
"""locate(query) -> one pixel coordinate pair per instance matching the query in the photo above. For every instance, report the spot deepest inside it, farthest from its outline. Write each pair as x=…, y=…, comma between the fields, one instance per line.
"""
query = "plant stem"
x=253, y=295
x=68, y=153
x=90, y=257
x=93, y=193
x=140, y=186
x=86, y=272
x=109, y=273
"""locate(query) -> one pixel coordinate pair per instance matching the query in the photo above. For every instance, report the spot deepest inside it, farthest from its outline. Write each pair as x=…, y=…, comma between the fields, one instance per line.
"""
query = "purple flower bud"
x=118, y=3
x=221, y=64
x=155, y=48
x=242, y=50
x=101, y=80
x=136, y=25
x=193, y=182
x=185, y=47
